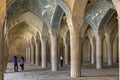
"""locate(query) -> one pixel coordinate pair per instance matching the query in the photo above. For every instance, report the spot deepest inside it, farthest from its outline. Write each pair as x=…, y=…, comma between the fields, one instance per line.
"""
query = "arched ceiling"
x=111, y=24
x=48, y=10
x=45, y=31
x=83, y=29
x=64, y=29
x=18, y=37
x=29, y=18
x=114, y=32
x=99, y=14
x=21, y=29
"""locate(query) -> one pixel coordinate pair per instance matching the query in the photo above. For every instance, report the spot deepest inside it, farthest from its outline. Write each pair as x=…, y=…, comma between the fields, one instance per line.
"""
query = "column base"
x=44, y=66
x=54, y=69
x=110, y=64
x=28, y=62
x=66, y=63
x=37, y=64
x=92, y=62
x=32, y=63
x=98, y=67
x=75, y=74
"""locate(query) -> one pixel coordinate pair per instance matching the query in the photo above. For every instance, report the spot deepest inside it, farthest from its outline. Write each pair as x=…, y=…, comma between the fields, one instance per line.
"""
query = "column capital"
x=82, y=38
x=99, y=34
x=108, y=37
x=37, y=40
x=109, y=41
x=118, y=17
x=75, y=22
x=44, y=39
x=117, y=6
x=91, y=42
x=54, y=33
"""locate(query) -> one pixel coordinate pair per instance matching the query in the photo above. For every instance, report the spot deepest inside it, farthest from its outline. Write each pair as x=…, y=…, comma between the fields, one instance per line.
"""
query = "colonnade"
x=33, y=52
x=33, y=56
x=96, y=49
x=33, y=47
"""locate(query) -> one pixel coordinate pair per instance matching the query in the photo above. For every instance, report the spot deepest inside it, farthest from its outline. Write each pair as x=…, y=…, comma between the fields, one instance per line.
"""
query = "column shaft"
x=26, y=54
x=98, y=53
x=118, y=10
x=2, y=37
x=37, y=59
x=54, y=55
x=92, y=53
x=110, y=52
x=32, y=54
x=75, y=53
x=29, y=54
x=66, y=53
x=44, y=54
x=119, y=42
x=81, y=49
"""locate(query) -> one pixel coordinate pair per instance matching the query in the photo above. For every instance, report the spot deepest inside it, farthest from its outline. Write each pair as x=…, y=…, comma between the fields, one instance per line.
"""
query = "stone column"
x=54, y=54
x=99, y=51
x=117, y=52
x=5, y=46
x=6, y=54
x=44, y=52
x=75, y=53
x=81, y=49
x=74, y=28
x=26, y=51
x=66, y=53
x=110, y=51
x=119, y=39
x=37, y=59
x=32, y=53
x=92, y=53
x=2, y=18
x=117, y=6
x=29, y=53
x=75, y=49
x=1, y=53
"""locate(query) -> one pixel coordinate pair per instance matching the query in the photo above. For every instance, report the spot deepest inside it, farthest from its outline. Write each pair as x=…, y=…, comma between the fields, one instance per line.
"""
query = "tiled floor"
x=88, y=72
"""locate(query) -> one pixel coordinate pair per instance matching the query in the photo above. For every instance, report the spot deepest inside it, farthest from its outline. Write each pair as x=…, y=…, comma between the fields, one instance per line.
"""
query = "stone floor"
x=33, y=72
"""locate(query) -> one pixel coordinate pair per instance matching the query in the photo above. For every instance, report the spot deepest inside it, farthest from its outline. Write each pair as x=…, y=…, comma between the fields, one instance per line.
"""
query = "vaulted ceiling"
x=48, y=10
x=99, y=14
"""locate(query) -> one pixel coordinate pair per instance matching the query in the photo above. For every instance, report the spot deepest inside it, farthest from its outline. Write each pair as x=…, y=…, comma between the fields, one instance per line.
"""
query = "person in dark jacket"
x=61, y=61
x=22, y=63
x=15, y=64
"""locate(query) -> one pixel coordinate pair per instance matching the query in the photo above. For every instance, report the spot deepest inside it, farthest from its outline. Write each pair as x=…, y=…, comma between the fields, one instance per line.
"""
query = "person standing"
x=15, y=64
x=61, y=61
x=22, y=63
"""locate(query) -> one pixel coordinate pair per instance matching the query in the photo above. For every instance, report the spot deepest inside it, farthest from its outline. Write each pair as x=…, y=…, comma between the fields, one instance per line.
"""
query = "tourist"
x=61, y=61
x=22, y=63
x=15, y=64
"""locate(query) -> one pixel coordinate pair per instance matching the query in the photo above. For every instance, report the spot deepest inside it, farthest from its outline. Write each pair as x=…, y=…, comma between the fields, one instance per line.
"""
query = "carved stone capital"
x=117, y=5
x=118, y=17
x=75, y=23
x=99, y=36
x=44, y=40
x=99, y=33
x=109, y=40
x=54, y=33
